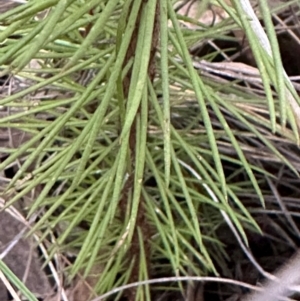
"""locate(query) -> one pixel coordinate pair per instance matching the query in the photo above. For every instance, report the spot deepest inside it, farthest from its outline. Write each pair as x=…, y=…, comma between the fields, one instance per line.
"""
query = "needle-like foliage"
x=129, y=146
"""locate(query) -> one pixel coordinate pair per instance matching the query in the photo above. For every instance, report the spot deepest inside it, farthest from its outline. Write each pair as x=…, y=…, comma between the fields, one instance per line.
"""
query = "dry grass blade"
x=9, y=287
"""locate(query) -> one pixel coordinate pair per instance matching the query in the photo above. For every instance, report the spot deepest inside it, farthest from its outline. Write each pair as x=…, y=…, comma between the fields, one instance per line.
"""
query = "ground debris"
x=22, y=258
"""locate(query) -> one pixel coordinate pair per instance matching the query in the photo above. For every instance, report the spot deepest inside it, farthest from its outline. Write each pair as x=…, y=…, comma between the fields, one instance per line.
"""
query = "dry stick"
x=183, y=278
x=287, y=277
